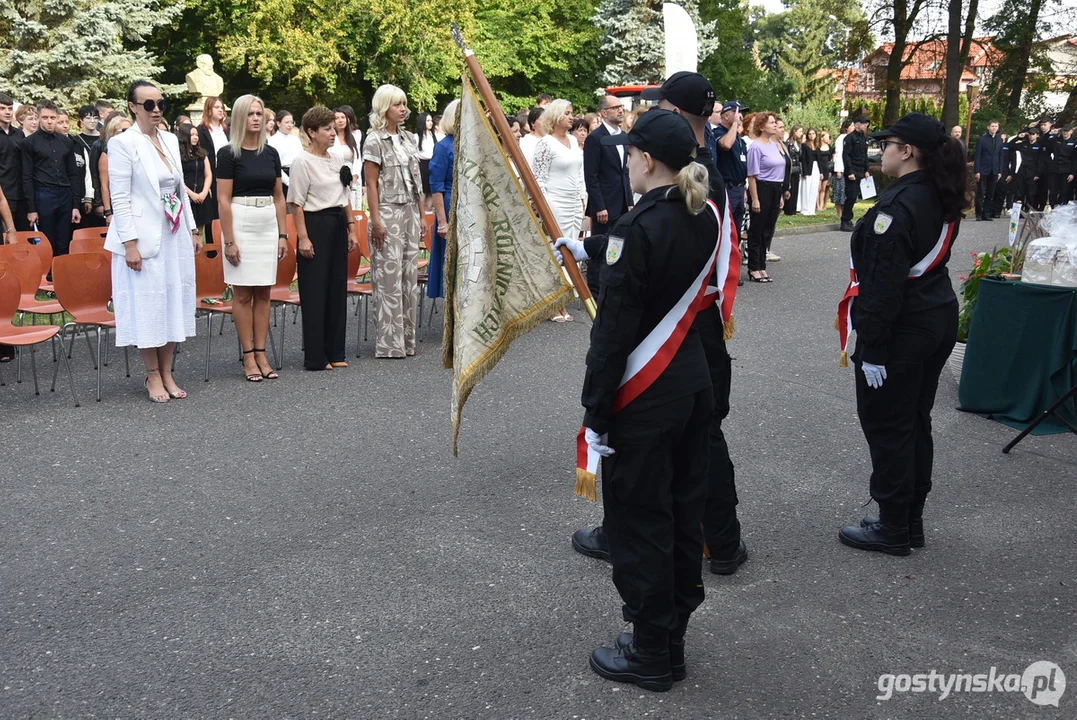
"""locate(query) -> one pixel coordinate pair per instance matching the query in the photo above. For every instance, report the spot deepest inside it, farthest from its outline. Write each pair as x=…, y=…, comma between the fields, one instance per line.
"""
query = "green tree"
x=633, y=43
x=76, y=51
x=802, y=63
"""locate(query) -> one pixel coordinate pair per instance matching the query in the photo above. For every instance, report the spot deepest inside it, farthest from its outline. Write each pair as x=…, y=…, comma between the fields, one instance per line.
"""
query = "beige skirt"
x=254, y=230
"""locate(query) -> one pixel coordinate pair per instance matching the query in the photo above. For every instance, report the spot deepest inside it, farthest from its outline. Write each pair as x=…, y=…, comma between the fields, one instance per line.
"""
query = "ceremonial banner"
x=501, y=277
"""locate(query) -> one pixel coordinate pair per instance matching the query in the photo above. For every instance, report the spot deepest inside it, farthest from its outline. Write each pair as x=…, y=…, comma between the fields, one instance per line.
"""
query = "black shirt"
x=48, y=160
x=253, y=174
x=854, y=154
x=11, y=164
x=894, y=235
x=731, y=163
x=660, y=250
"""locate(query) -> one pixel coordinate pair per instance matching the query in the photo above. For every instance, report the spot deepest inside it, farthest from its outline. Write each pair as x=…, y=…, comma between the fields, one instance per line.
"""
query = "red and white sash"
x=932, y=260
x=653, y=355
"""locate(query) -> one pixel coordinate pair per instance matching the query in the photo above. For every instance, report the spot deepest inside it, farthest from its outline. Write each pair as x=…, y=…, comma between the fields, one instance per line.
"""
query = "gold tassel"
x=728, y=328
x=844, y=359
x=586, y=485
x=837, y=323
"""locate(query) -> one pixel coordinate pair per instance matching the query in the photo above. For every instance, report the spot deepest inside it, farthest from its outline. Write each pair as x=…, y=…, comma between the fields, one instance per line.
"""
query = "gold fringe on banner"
x=844, y=362
x=728, y=328
x=586, y=485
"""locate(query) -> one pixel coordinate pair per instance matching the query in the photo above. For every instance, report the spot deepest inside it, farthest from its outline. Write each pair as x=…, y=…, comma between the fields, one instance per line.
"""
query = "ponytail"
x=949, y=171
x=693, y=183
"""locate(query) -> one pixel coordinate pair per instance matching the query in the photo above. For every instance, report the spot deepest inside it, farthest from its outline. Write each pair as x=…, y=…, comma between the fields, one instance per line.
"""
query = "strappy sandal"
x=155, y=398
x=254, y=377
x=272, y=374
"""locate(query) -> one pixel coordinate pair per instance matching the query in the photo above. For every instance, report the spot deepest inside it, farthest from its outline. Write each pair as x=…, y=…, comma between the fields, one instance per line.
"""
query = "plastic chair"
x=282, y=294
x=361, y=229
x=84, y=286
x=97, y=233
x=209, y=285
x=85, y=244
x=23, y=336
x=43, y=246
x=26, y=265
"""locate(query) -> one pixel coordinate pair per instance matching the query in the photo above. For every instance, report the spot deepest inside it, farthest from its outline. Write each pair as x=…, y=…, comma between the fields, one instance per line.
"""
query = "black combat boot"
x=729, y=565
x=592, y=543
x=889, y=534
x=644, y=661
x=916, y=523
x=677, y=667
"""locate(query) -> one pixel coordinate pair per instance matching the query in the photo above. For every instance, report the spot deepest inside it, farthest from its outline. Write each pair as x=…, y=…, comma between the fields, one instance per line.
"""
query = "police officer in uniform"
x=905, y=317
x=1034, y=162
x=654, y=447
x=692, y=96
x=1063, y=167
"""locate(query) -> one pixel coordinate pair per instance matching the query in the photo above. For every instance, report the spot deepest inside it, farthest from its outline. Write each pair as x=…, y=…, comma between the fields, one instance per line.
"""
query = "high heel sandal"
x=254, y=377
x=155, y=398
x=272, y=374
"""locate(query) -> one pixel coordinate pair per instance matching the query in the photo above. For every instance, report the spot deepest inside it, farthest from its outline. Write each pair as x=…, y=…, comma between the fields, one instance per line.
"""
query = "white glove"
x=598, y=442
x=874, y=374
x=579, y=253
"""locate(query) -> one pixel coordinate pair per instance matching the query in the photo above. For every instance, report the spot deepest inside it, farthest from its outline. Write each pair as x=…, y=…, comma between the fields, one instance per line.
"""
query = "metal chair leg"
x=366, y=316
x=283, y=325
x=126, y=362
x=273, y=347
x=70, y=377
x=209, y=340
x=18, y=365
x=33, y=368
x=89, y=346
x=99, y=363
x=63, y=351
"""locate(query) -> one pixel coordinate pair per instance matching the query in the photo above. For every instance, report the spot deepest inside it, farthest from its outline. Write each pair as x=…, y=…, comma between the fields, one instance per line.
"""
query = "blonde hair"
x=239, y=124
x=385, y=97
x=553, y=112
x=693, y=180
x=448, y=118
x=112, y=126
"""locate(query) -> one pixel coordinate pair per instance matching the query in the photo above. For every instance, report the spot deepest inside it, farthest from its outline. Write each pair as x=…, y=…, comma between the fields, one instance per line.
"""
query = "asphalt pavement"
x=310, y=548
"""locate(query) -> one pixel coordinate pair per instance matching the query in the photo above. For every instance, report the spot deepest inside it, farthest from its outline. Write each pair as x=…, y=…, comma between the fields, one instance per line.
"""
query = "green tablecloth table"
x=1021, y=355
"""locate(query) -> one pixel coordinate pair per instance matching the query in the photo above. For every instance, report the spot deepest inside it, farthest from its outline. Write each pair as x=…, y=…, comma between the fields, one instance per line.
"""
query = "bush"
x=821, y=116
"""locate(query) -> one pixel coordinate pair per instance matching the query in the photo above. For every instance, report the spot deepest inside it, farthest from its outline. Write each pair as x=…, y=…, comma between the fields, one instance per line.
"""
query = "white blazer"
x=136, y=193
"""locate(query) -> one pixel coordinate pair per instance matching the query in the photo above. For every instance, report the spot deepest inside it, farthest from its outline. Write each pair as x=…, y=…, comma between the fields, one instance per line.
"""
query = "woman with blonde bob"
x=394, y=190
x=253, y=229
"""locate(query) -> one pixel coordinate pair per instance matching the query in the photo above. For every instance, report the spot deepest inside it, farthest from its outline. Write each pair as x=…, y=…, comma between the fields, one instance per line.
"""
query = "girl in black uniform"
x=648, y=400
x=904, y=312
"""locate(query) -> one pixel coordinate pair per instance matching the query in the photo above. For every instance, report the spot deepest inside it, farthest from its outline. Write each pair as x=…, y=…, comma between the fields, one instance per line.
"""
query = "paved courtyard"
x=309, y=547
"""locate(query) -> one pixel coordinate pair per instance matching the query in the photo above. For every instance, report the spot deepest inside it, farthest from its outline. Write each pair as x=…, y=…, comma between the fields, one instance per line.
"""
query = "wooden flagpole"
x=517, y=155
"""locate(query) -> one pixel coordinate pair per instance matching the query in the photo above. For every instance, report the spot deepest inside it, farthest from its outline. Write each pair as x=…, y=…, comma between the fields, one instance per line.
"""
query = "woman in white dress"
x=347, y=145
x=287, y=145
x=809, y=178
x=253, y=230
x=153, y=241
x=558, y=170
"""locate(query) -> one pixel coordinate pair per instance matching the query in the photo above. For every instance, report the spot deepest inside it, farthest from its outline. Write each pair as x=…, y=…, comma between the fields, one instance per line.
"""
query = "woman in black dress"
x=197, y=177
x=825, y=153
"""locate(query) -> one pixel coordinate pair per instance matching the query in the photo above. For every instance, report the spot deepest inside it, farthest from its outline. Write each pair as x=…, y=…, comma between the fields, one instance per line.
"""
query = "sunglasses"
x=150, y=105
x=884, y=143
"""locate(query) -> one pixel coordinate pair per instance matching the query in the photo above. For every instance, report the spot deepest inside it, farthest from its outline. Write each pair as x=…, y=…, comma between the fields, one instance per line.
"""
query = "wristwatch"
x=282, y=236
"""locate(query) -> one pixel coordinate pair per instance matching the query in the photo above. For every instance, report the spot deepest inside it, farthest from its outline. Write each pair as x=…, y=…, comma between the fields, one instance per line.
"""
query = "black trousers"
x=896, y=418
x=653, y=493
x=593, y=266
x=19, y=210
x=721, y=528
x=761, y=224
x=323, y=288
x=1034, y=192
x=54, y=216
x=985, y=194
x=852, y=194
x=794, y=193
x=1061, y=191
x=736, y=207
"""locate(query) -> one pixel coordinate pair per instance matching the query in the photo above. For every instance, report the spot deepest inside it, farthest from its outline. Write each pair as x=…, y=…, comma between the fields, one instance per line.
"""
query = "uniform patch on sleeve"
x=614, y=249
x=882, y=223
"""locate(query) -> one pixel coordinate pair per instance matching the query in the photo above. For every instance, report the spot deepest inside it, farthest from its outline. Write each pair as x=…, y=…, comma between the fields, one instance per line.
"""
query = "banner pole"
x=517, y=155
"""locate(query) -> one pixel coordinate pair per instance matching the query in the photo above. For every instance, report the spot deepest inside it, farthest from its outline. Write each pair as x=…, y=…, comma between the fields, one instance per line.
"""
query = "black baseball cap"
x=734, y=105
x=917, y=129
x=689, y=92
x=862, y=119
x=1068, y=126
x=1033, y=129
x=665, y=135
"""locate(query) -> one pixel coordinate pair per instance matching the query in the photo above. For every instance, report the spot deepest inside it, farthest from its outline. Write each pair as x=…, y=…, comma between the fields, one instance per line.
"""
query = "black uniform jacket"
x=854, y=154
x=653, y=255
x=896, y=234
x=1065, y=160
x=1034, y=160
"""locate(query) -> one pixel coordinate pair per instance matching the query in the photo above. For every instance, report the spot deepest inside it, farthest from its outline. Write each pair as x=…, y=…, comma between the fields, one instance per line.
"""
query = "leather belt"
x=253, y=200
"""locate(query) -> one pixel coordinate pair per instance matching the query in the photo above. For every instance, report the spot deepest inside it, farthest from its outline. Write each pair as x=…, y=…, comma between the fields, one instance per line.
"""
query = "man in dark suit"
x=605, y=173
x=988, y=168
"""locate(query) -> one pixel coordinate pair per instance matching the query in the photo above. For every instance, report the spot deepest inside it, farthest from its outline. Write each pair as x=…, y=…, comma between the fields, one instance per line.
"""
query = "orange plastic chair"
x=90, y=233
x=84, y=286
x=85, y=244
x=43, y=246
x=23, y=336
x=282, y=294
x=209, y=285
x=27, y=267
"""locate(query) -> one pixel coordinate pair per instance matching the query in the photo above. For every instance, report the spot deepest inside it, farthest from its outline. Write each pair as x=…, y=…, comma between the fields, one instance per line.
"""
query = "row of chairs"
x=85, y=290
